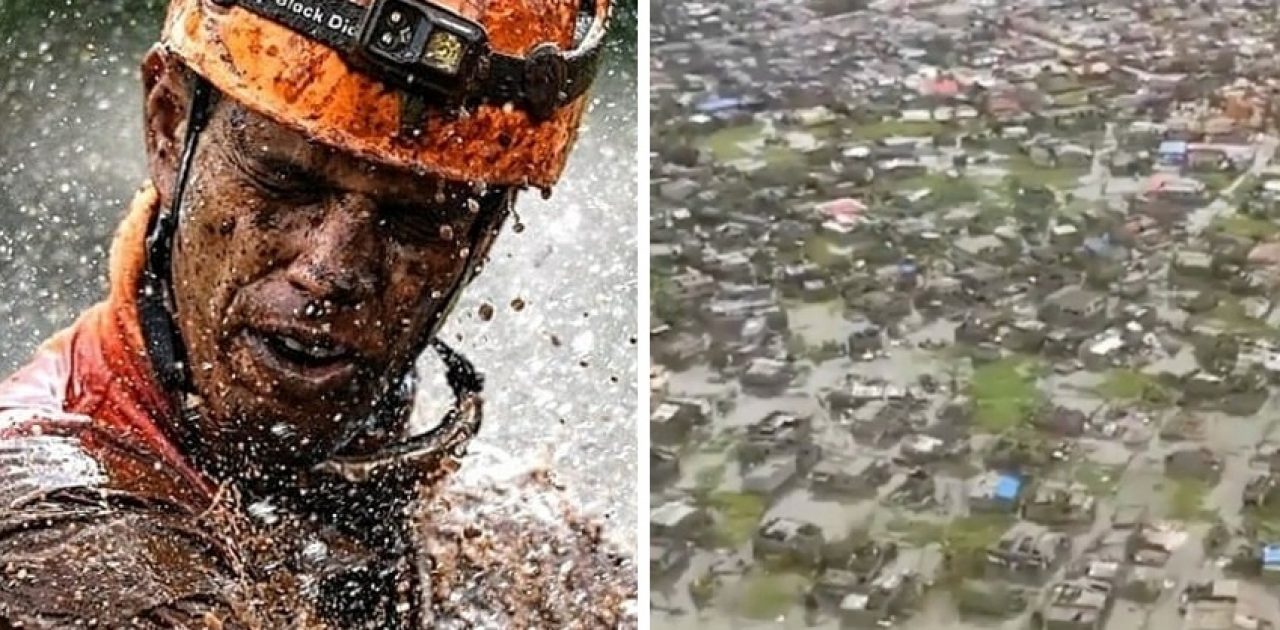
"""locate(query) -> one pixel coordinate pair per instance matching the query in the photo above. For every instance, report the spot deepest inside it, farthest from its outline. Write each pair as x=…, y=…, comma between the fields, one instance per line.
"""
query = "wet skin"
x=304, y=278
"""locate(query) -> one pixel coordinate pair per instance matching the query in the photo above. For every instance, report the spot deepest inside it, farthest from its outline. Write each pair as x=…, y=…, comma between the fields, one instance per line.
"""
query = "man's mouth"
x=298, y=363
x=314, y=354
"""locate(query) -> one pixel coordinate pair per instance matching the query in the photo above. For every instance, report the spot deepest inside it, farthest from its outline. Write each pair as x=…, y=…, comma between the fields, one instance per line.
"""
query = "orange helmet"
x=471, y=90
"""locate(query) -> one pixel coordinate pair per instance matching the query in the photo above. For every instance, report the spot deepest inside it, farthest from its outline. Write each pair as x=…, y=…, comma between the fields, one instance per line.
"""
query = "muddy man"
x=224, y=442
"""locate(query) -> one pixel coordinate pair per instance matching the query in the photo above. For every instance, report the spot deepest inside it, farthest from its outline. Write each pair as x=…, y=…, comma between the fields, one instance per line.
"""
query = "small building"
x=865, y=338
x=1065, y=235
x=1271, y=559
x=1193, y=264
x=771, y=477
x=1206, y=386
x=1028, y=551
x=983, y=282
x=670, y=424
x=677, y=520
x=1078, y=604
x=845, y=476
x=918, y=449
x=788, y=539
x=1075, y=306
x=880, y=426
x=1207, y=159
x=1061, y=421
x=777, y=433
x=889, y=596
x=677, y=350
x=854, y=574
x=1227, y=605
x=817, y=290
x=1173, y=152
x=980, y=327
x=990, y=598
x=1102, y=351
x=1073, y=155
x=1055, y=503
x=1026, y=335
x=987, y=248
x=664, y=465
x=1177, y=190
x=994, y=491
x=767, y=376
x=1262, y=489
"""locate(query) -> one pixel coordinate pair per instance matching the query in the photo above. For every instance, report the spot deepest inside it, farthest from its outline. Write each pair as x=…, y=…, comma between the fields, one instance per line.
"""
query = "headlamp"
x=422, y=44
x=430, y=52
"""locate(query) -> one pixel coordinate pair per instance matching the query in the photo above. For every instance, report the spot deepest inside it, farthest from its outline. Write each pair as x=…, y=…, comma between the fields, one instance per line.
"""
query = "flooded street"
x=981, y=300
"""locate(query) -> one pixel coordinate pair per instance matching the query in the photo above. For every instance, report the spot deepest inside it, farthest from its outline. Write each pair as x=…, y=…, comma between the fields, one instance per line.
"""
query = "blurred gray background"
x=561, y=372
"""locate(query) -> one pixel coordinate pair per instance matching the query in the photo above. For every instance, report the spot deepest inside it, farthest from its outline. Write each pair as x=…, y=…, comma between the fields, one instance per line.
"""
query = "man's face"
x=304, y=279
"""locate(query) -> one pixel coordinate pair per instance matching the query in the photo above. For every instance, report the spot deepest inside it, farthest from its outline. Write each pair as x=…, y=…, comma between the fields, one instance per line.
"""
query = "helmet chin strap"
x=155, y=294
x=167, y=352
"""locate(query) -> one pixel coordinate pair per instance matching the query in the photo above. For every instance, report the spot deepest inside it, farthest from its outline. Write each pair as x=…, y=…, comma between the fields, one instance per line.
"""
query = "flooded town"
x=965, y=314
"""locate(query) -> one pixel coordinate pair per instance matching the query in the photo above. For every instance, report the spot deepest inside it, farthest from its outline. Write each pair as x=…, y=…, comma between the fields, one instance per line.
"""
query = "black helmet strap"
x=155, y=294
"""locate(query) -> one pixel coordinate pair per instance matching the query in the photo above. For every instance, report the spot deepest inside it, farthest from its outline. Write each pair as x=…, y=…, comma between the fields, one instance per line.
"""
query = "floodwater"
x=1131, y=460
x=561, y=371
x=1136, y=468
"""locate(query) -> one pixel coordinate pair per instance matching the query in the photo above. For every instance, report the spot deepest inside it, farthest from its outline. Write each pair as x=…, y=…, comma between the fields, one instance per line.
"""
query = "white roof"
x=671, y=513
x=855, y=601
x=1107, y=346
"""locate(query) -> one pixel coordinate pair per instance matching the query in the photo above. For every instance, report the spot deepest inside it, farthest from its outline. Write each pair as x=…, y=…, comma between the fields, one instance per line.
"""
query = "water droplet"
x=315, y=551
x=264, y=511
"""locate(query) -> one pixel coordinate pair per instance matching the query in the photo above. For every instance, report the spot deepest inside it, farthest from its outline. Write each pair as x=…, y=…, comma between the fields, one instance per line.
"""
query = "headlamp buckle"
x=545, y=75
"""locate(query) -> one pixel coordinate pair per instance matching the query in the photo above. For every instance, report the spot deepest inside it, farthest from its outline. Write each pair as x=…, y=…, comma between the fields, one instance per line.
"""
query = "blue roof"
x=1173, y=146
x=1271, y=554
x=1007, y=487
x=1097, y=243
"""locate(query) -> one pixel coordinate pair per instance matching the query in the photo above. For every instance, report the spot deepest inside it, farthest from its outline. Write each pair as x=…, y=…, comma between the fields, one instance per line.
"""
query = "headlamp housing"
x=434, y=54
x=423, y=48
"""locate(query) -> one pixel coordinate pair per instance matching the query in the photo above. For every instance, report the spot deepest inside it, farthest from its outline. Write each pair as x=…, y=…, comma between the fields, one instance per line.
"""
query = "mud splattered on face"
x=306, y=280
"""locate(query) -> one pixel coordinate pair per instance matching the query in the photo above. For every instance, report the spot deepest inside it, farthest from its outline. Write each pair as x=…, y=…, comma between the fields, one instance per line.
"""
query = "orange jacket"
x=93, y=382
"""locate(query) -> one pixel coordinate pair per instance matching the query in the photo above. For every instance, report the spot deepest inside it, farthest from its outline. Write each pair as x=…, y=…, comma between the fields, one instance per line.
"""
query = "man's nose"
x=339, y=258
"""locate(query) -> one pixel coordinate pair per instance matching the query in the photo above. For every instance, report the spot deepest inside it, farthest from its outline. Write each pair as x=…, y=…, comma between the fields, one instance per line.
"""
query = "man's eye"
x=284, y=183
x=288, y=187
x=414, y=225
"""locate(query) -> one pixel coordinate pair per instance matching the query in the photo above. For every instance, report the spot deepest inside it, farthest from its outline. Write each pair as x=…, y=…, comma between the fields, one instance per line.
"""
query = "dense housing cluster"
x=965, y=314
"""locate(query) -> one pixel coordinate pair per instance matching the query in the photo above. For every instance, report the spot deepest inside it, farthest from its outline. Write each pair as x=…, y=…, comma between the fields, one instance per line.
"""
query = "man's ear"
x=166, y=100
